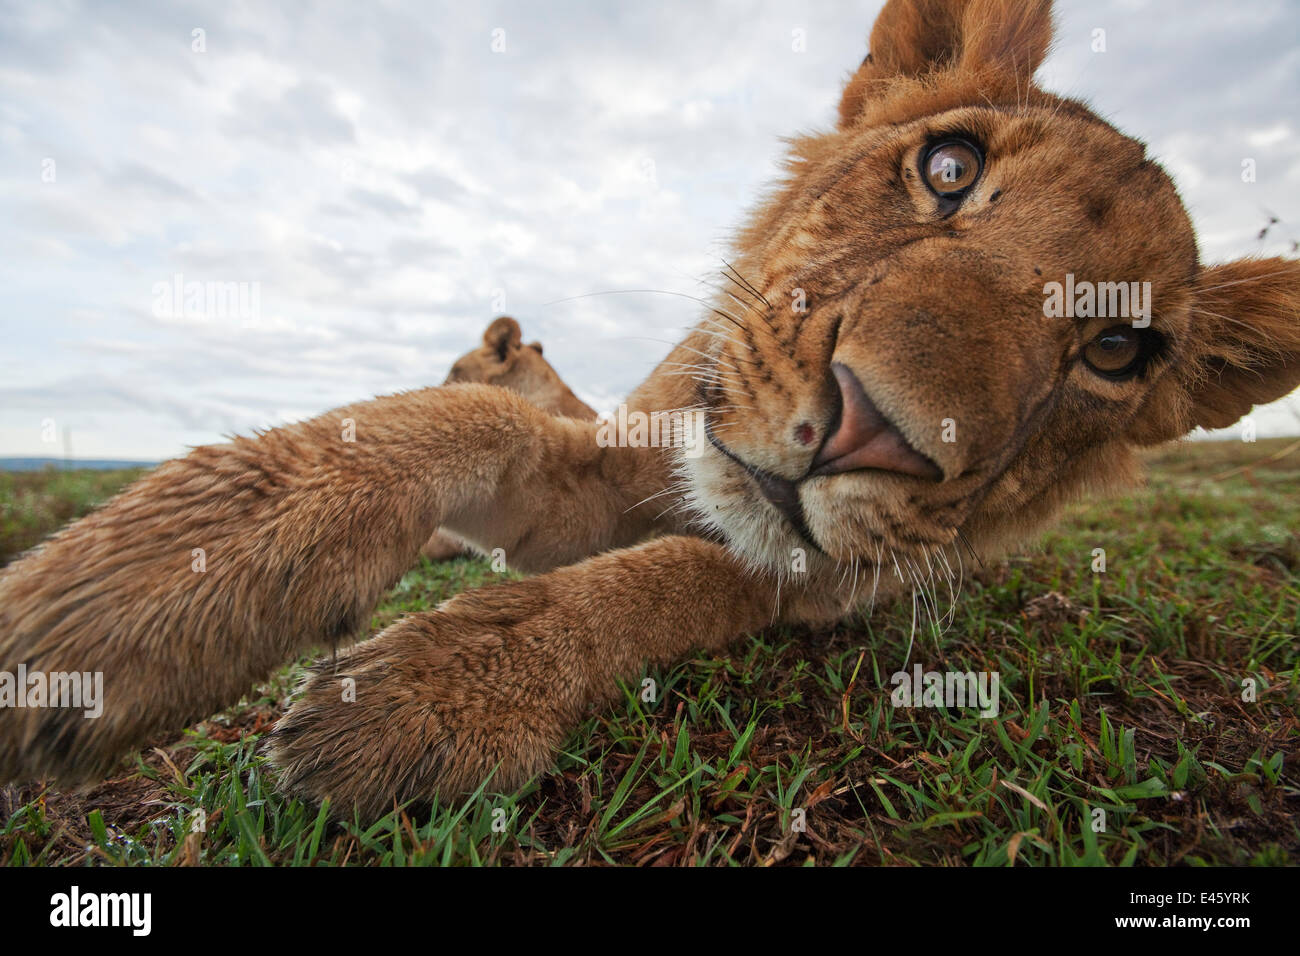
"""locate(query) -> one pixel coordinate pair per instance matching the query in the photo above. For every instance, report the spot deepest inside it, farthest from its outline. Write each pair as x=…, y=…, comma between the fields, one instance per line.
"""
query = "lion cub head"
x=503, y=360
x=966, y=303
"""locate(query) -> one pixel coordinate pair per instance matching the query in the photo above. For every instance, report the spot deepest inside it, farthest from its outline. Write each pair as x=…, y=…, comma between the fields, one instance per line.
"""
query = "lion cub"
x=502, y=360
x=883, y=379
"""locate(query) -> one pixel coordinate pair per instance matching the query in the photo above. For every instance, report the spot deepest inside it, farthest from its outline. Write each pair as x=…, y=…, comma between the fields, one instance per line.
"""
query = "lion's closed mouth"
x=781, y=492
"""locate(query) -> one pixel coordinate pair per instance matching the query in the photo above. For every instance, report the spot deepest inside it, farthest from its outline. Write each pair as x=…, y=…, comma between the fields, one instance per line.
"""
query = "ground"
x=1148, y=716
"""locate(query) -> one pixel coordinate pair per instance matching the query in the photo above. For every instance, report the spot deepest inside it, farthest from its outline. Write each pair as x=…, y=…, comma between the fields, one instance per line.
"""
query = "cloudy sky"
x=380, y=179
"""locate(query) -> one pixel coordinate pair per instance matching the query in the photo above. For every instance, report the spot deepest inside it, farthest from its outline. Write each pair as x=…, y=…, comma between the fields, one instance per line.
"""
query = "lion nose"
x=864, y=438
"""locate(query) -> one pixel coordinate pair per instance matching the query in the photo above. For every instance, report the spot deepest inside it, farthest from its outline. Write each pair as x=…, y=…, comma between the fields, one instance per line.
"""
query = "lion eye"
x=951, y=167
x=1116, y=352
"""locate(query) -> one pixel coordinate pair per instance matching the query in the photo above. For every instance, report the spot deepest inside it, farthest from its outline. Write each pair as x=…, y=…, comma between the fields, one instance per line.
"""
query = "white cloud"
x=382, y=175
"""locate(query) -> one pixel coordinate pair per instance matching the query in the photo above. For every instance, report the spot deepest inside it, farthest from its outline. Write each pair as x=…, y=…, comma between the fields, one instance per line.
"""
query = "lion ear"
x=1011, y=36
x=1242, y=349
x=912, y=38
x=503, y=336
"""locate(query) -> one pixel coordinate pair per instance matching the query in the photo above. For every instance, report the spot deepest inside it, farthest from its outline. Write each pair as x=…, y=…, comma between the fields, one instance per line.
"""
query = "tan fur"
x=643, y=553
x=503, y=362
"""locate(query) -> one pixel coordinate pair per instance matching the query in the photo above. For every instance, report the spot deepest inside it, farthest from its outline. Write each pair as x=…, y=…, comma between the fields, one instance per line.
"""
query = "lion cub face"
x=966, y=303
x=502, y=360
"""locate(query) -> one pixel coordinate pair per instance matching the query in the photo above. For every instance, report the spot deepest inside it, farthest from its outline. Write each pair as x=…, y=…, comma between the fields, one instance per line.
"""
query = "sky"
x=357, y=189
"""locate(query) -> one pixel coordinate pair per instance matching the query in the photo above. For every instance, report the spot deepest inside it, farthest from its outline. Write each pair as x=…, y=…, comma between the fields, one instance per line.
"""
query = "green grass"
x=34, y=503
x=1121, y=693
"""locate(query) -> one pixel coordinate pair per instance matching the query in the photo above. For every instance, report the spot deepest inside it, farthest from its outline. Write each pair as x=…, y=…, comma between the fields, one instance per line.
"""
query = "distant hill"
x=97, y=464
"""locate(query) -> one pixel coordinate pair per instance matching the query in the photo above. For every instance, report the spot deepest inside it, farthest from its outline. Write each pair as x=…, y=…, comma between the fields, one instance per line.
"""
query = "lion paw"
x=434, y=705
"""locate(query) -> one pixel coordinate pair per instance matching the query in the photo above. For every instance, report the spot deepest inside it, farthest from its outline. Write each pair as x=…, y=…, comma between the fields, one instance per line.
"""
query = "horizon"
x=352, y=198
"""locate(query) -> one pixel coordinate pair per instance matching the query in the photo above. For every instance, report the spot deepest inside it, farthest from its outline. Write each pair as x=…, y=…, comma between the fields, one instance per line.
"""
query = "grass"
x=1148, y=716
x=34, y=503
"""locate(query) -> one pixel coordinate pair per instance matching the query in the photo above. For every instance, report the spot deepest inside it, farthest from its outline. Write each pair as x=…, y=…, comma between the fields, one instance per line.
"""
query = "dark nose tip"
x=864, y=438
